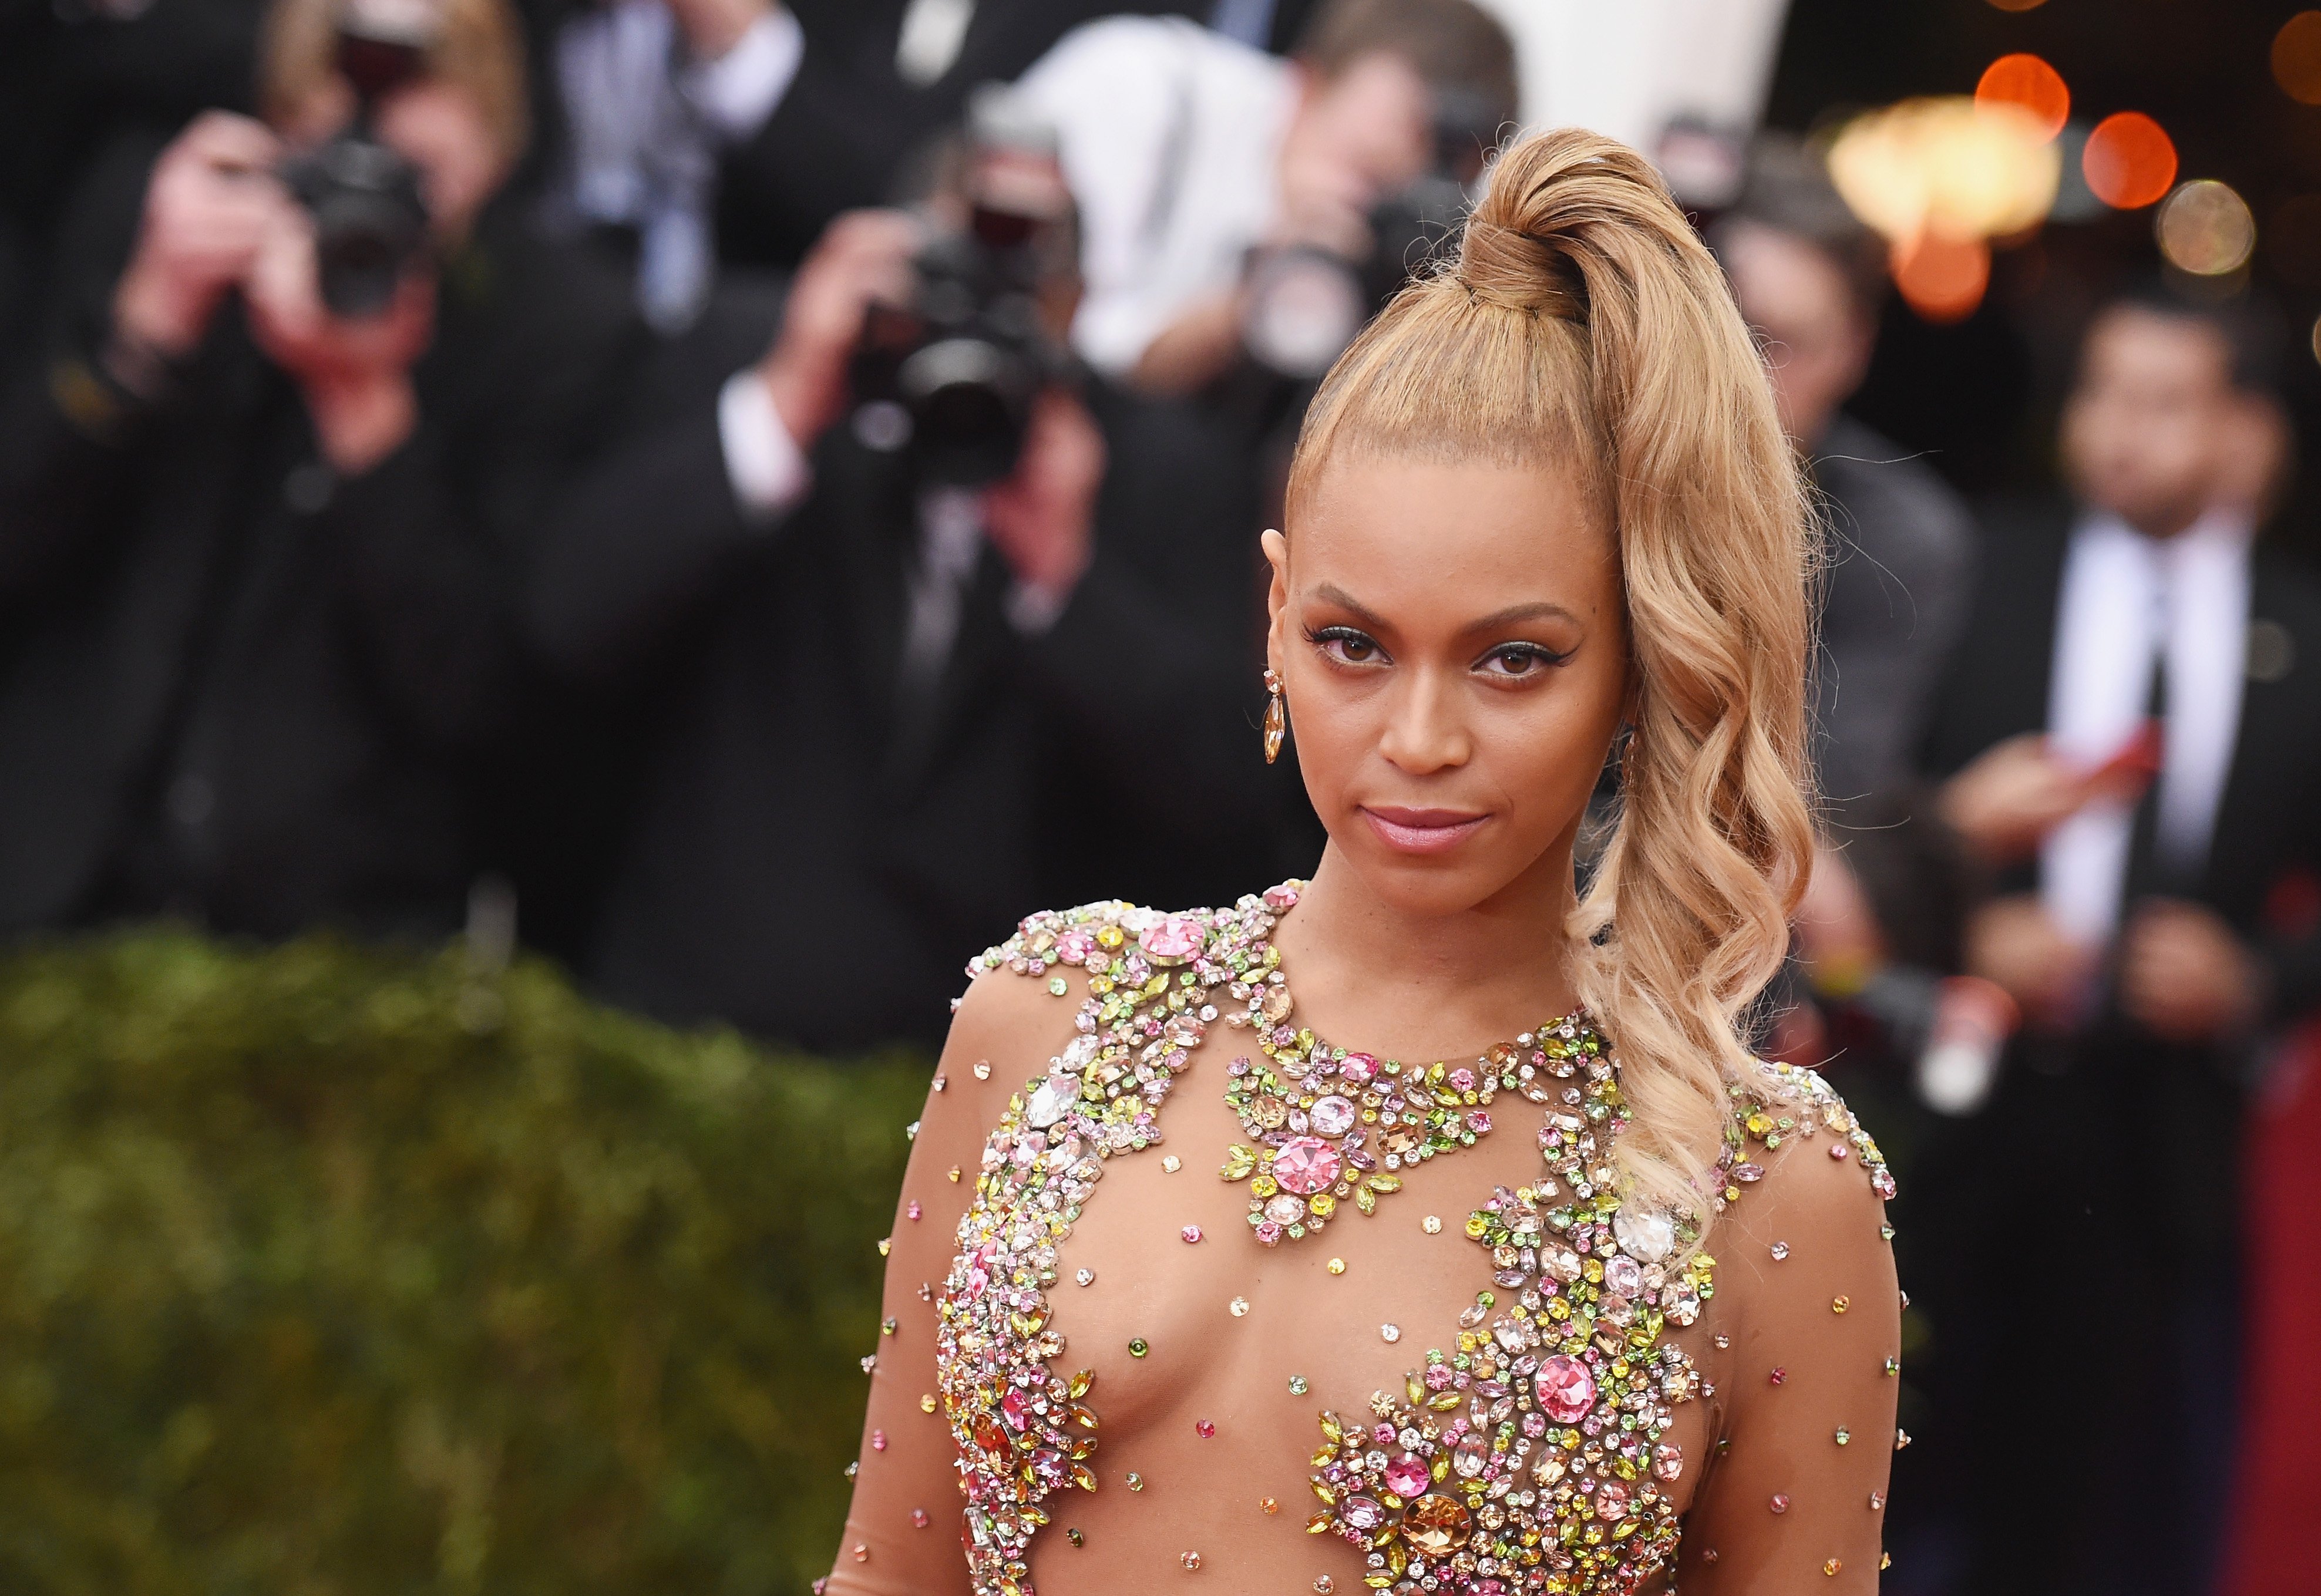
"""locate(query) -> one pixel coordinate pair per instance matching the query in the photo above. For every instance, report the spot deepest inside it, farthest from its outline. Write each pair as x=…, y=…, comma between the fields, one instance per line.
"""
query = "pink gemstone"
x=1478, y=1122
x=1882, y=1183
x=912, y=1211
x=1363, y=1514
x=1462, y=1079
x=1074, y=947
x=1278, y=898
x=1190, y=1233
x=877, y=1441
x=1173, y=941
x=1268, y=1234
x=1567, y=1391
x=918, y=1518
x=1406, y=1477
x=1015, y=1407
x=1203, y=1429
x=1778, y=1376
x=1359, y=1069
x=1305, y=1165
x=1837, y=1151
x=1611, y=1500
x=1780, y=1502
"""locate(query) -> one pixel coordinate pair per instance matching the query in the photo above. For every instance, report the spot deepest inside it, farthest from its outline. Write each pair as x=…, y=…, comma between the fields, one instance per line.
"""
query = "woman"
x=1603, y=1307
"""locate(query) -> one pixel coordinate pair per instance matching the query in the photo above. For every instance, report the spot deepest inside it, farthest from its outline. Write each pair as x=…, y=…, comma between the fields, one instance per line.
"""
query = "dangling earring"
x=1276, y=716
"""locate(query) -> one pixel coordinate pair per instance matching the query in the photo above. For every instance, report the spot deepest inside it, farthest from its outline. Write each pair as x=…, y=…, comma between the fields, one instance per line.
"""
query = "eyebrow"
x=1330, y=593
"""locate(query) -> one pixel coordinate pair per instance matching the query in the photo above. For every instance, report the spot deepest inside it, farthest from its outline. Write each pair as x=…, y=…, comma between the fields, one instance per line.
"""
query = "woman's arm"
x=903, y=1529
x=1793, y=1497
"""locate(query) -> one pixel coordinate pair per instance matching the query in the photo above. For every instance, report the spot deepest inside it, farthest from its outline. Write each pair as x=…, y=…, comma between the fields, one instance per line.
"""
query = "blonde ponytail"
x=1583, y=324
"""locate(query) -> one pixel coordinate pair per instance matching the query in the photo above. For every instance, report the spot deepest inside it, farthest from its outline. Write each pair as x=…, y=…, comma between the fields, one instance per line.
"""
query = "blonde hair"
x=477, y=44
x=1584, y=325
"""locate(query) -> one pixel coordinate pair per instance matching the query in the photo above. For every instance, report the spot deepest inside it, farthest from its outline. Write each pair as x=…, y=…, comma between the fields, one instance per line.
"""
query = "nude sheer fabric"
x=1211, y=1419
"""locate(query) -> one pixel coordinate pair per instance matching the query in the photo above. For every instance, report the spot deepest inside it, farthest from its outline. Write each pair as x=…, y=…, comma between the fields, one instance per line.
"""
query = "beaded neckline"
x=1327, y=1126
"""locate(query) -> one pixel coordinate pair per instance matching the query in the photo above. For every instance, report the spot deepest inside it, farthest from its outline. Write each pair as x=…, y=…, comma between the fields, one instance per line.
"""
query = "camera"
x=951, y=378
x=1306, y=305
x=369, y=213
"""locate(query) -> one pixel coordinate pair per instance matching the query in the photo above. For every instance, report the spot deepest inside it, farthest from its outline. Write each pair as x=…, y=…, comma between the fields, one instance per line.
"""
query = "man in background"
x=259, y=495
x=2128, y=738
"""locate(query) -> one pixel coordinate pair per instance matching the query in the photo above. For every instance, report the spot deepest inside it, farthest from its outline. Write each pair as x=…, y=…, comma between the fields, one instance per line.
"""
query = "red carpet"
x=2278, y=1500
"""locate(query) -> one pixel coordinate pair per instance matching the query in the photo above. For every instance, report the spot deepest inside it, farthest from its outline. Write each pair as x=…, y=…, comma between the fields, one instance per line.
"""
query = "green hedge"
x=331, y=1272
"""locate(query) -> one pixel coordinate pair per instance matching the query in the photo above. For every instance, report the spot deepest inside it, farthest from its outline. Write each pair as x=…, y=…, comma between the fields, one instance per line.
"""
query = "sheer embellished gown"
x=1183, y=1295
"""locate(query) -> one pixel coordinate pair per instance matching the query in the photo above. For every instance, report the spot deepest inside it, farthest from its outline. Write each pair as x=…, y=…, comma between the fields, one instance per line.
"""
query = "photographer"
x=929, y=620
x=1212, y=178
x=255, y=503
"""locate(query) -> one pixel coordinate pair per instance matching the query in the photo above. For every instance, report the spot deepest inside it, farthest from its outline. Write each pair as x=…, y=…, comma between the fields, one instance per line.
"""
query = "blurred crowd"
x=758, y=496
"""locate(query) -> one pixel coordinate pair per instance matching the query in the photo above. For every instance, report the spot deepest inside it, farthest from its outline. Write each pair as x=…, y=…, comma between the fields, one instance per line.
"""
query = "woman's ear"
x=1277, y=595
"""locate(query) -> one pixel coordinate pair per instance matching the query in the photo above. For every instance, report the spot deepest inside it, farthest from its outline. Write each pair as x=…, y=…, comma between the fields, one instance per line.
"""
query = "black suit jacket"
x=2268, y=829
x=232, y=685
x=817, y=851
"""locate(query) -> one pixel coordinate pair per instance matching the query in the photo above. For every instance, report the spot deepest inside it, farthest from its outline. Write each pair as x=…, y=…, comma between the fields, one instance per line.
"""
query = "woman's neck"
x=1370, y=975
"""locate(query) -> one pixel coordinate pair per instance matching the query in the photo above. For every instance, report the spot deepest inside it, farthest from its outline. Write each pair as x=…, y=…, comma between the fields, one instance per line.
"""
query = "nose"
x=1425, y=726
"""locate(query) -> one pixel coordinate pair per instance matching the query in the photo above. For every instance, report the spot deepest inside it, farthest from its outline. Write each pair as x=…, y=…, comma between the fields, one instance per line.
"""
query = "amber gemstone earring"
x=1277, y=717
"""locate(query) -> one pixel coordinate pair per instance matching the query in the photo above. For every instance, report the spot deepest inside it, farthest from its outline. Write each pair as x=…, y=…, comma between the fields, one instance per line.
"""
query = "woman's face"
x=1452, y=646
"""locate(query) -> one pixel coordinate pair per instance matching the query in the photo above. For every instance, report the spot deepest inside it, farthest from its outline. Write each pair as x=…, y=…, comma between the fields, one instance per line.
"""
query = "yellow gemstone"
x=886, y=1245
x=1365, y=1201
x=1476, y=1225
x=927, y=1403
x=1336, y=1265
x=1319, y=1524
x=1323, y=1204
x=1831, y=1567
x=1079, y=1386
x=1384, y=1182
x=1840, y=1304
x=1264, y=1185
x=1266, y=1504
x=1239, y=1160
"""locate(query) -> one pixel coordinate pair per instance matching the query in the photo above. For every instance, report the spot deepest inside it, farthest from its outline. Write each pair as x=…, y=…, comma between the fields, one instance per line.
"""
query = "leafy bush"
x=331, y=1271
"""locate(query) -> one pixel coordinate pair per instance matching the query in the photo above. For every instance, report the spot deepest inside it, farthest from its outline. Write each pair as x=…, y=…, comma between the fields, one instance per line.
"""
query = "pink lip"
x=1422, y=830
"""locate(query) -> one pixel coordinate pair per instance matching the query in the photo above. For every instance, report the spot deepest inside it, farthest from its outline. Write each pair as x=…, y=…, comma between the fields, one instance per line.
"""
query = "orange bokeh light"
x=1942, y=279
x=2018, y=5
x=2296, y=58
x=2025, y=81
x=2130, y=162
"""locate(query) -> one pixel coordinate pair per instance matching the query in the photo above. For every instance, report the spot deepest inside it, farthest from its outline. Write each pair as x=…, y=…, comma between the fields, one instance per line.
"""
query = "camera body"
x=951, y=377
x=370, y=219
x=1306, y=305
x=365, y=196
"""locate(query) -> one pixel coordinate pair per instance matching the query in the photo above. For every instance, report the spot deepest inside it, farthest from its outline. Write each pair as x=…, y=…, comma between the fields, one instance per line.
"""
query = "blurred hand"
x=209, y=204
x=1043, y=519
x=2185, y=977
x=354, y=373
x=1838, y=937
x=2011, y=943
x=864, y=257
x=713, y=27
x=2003, y=805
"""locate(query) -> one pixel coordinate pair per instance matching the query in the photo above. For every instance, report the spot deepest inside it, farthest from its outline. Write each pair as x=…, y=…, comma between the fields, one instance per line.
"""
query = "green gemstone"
x=1138, y=1347
x=1298, y=1385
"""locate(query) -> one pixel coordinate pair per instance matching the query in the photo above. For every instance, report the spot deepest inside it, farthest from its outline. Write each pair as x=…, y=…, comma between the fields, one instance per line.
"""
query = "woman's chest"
x=1434, y=1379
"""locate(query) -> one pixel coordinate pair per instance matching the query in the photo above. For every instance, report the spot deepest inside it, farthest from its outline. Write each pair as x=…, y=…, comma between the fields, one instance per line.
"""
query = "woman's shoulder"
x=1035, y=990
x=1802, y=1201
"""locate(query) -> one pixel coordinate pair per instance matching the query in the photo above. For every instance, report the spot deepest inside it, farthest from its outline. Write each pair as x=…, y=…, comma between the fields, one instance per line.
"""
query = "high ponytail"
x=1583, y=324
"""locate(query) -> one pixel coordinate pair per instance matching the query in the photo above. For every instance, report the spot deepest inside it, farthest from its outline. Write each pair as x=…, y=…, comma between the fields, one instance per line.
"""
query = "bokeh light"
x=2130, y=160
x=2316, y=339
x=2296, y=58
x=2018, y=5
x=2025, y=81
x=1945, y=165
x=2206, y=229
x=1942, y=279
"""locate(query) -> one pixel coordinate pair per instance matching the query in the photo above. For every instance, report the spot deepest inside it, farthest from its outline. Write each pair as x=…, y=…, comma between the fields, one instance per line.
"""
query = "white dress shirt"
x=2126, y=599
x=1170, y=141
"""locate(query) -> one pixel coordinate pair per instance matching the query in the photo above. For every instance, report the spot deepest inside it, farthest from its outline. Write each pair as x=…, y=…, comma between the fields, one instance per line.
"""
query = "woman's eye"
x=1518, y=659
x=1347, y=646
